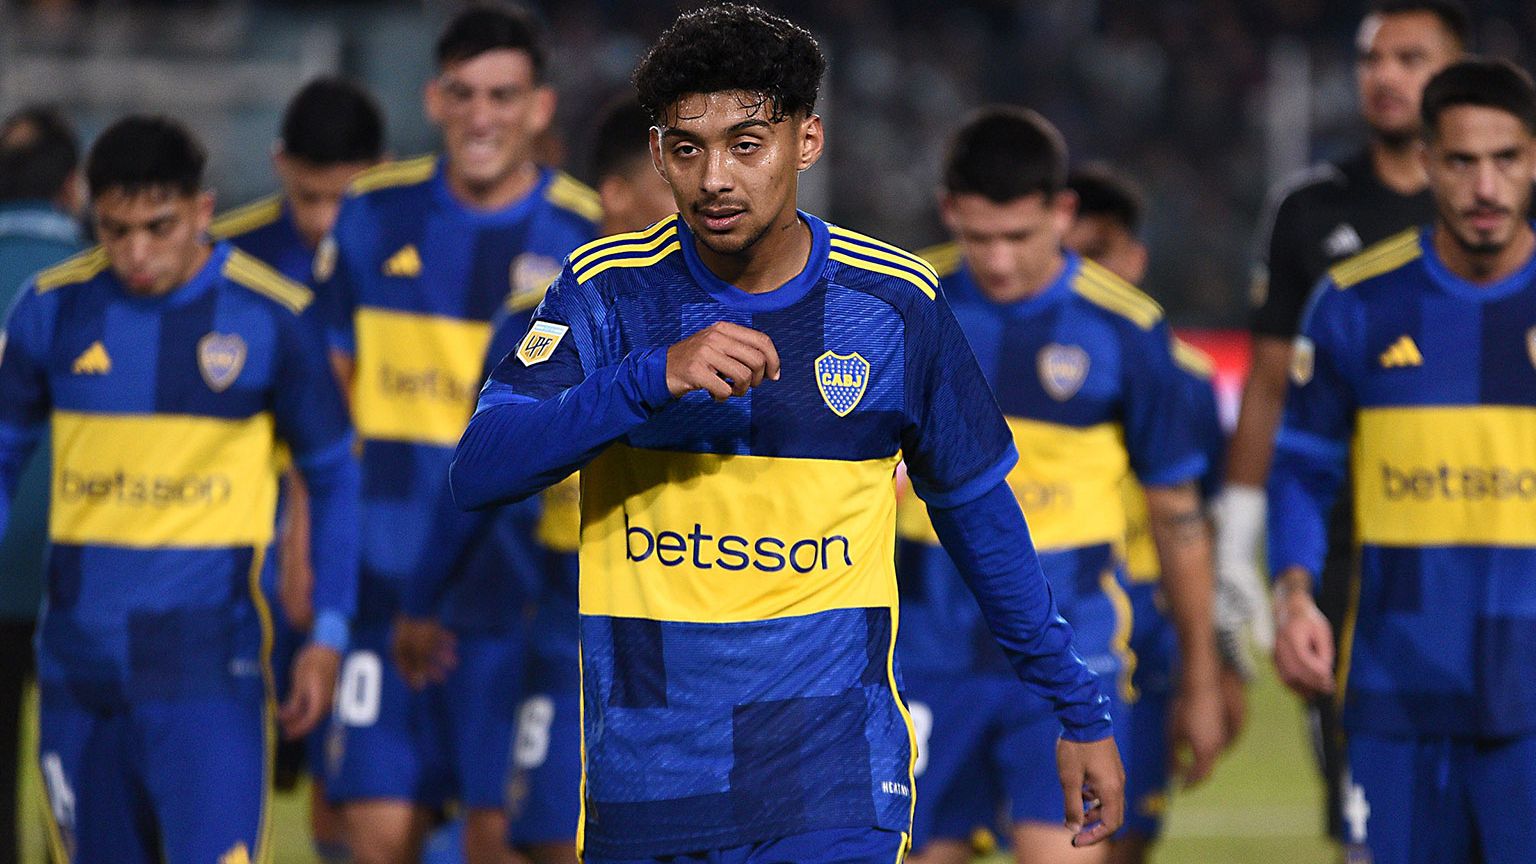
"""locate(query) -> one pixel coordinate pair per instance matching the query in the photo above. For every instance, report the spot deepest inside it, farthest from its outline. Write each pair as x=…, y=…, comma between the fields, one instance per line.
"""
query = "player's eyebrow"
x=745, y=124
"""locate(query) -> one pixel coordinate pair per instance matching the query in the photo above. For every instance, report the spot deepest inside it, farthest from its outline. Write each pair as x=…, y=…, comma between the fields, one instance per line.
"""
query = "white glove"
x=1242, y=598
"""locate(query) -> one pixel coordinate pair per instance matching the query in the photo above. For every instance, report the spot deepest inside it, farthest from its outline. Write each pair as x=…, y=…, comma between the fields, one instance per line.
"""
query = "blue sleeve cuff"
x=1185, y=471
x=654, y=391
x=1095, y=731
x=331, y=630
x=971, y=489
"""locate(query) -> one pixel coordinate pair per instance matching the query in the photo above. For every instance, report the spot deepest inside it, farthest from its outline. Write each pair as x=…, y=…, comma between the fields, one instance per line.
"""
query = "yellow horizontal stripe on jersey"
x=1446, y=476
x=606, y=264
x=417, y=375
x=263, y=211
x=155, y=480
x=1141, y=562
x=917, y=282
x=560, y=520
x=707, y=538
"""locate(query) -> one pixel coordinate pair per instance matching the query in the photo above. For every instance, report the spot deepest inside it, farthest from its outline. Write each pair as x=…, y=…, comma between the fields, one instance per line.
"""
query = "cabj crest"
x=842, y=380
x=220, y=357
x=1063, y=369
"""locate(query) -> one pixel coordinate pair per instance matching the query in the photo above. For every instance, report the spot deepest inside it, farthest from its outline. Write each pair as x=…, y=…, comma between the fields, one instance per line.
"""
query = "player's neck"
x=497, y=194
x=198, y=261
x=1484, y=268
x=1025, y=288
x=777, y=257
x=1397, y=165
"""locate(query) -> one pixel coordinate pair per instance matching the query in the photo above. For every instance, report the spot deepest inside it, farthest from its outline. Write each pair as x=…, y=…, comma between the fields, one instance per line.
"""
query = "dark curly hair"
x=732, y=47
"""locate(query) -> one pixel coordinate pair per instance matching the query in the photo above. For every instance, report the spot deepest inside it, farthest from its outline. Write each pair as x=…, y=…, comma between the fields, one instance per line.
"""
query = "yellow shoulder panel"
x=945, y=258
x=908, y=276
x=73, y=271
x=1383, y=257
x=892, y=253
x=404, y=173
x=624, y=246
x=1192, y=359
x=571, y=194
x=614, y=241
x=263, y=211
x=668, y=243
x=249, y=272
x=1103, y=288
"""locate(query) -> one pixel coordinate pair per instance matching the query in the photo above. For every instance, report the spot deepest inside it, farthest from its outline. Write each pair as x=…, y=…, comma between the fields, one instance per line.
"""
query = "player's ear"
x=1063, y=207
x=544, y=102
x=655, y=142
x=812, y=140
x=204, y=210
x=432, y=101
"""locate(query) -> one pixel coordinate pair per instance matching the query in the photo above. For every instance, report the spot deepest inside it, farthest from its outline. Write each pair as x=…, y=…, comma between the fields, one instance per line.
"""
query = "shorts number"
x=531, y=746
x=357, y=697
x=922, y=727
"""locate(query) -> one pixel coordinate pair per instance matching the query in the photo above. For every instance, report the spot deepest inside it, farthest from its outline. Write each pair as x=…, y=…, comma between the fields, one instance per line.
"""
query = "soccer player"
x=1330, y=214
x=1416, y=364
x=424, y=254
x=170, y=369
x=39, y=183
x=544, y=792
x=1105, y=229
x=331, y=131
x=1082, y=367
x=736, y=385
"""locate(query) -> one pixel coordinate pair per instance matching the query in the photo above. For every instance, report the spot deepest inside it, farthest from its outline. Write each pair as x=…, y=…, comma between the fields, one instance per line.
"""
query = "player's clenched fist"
x=1303, y=638
x=1093, y=786
x=725, y=359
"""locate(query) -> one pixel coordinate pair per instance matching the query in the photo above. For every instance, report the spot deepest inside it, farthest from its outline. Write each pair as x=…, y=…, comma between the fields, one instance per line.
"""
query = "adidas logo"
x=405, y=264
x=1402, y=353
x=93, y=360
x=237, y=854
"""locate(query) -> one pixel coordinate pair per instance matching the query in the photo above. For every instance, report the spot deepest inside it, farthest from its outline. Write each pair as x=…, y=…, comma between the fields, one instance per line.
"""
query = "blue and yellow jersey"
x=264, y=230
x=738, y=602
x=165, y=415
x=1085, y=376
x=1196, y=371
x=1423, y=384
x=414, y=278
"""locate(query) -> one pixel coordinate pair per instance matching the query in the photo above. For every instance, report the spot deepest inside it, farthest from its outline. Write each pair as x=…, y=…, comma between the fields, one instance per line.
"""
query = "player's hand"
x=1199, y=727
x=1241, y=597
x=1303, y=640
x=1092, y=788
x=725, y=359
x=425, y=651
x=310, y=693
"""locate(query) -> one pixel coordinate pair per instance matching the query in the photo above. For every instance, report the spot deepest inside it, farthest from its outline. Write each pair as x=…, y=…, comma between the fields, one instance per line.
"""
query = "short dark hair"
x=1103, y=191
x=1003, y=153
x=732, y=47
x=622, y=138
x=139, y=153
x=332, y=121
x=480, y=29
x=1485, y=82
x=1453, y=16
x=38, y=153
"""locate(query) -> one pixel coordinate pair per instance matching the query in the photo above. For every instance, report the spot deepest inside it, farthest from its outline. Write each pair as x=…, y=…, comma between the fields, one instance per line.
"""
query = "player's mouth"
x=1487, y=218
x=721, y=219
x=481, y=150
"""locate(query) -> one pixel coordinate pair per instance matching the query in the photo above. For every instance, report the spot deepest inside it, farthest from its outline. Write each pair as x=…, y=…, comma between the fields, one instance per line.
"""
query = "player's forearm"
x=1183, y=540
x=516, y=446
x=1253, y=442
x=989, y=542
x=335, y=488
x=1302, y=489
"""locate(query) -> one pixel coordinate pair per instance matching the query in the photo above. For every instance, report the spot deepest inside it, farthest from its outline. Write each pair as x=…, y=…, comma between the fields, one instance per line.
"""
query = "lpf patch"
x=842, y=380
x=531, y=274
x=325, y=259
x=1304, y=357
x=1063, y=369
x=220, y=357
x=540, y=343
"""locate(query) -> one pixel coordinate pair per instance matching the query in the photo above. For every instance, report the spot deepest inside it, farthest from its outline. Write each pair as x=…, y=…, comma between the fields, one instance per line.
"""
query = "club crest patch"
x=1530, y=344
x=1063, y=369
x=842, y=380
x=1303, y=357
x=220, y=357
x=531, y=274
x=540, y=343
x=325, y=259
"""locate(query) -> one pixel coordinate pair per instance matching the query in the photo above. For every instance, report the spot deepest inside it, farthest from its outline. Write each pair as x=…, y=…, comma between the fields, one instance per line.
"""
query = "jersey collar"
x=782, y=297
x=1453, y=284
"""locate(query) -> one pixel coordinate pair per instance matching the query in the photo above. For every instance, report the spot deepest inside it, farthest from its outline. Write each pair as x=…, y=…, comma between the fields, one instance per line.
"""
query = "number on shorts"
x=922, y=727
x=531, y=746
x=362, y=681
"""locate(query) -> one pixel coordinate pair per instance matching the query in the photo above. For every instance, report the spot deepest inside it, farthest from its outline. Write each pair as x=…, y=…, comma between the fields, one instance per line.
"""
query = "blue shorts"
x=1155, y=643
x=544, y=787
x=479, y=702
x=384, y=739
x=190, y=777
x=831, y=846
x=1423, y=800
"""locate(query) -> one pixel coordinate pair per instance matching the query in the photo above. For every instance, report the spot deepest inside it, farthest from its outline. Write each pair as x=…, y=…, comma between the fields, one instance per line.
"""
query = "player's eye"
x=683, y=151
x=747, y=146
